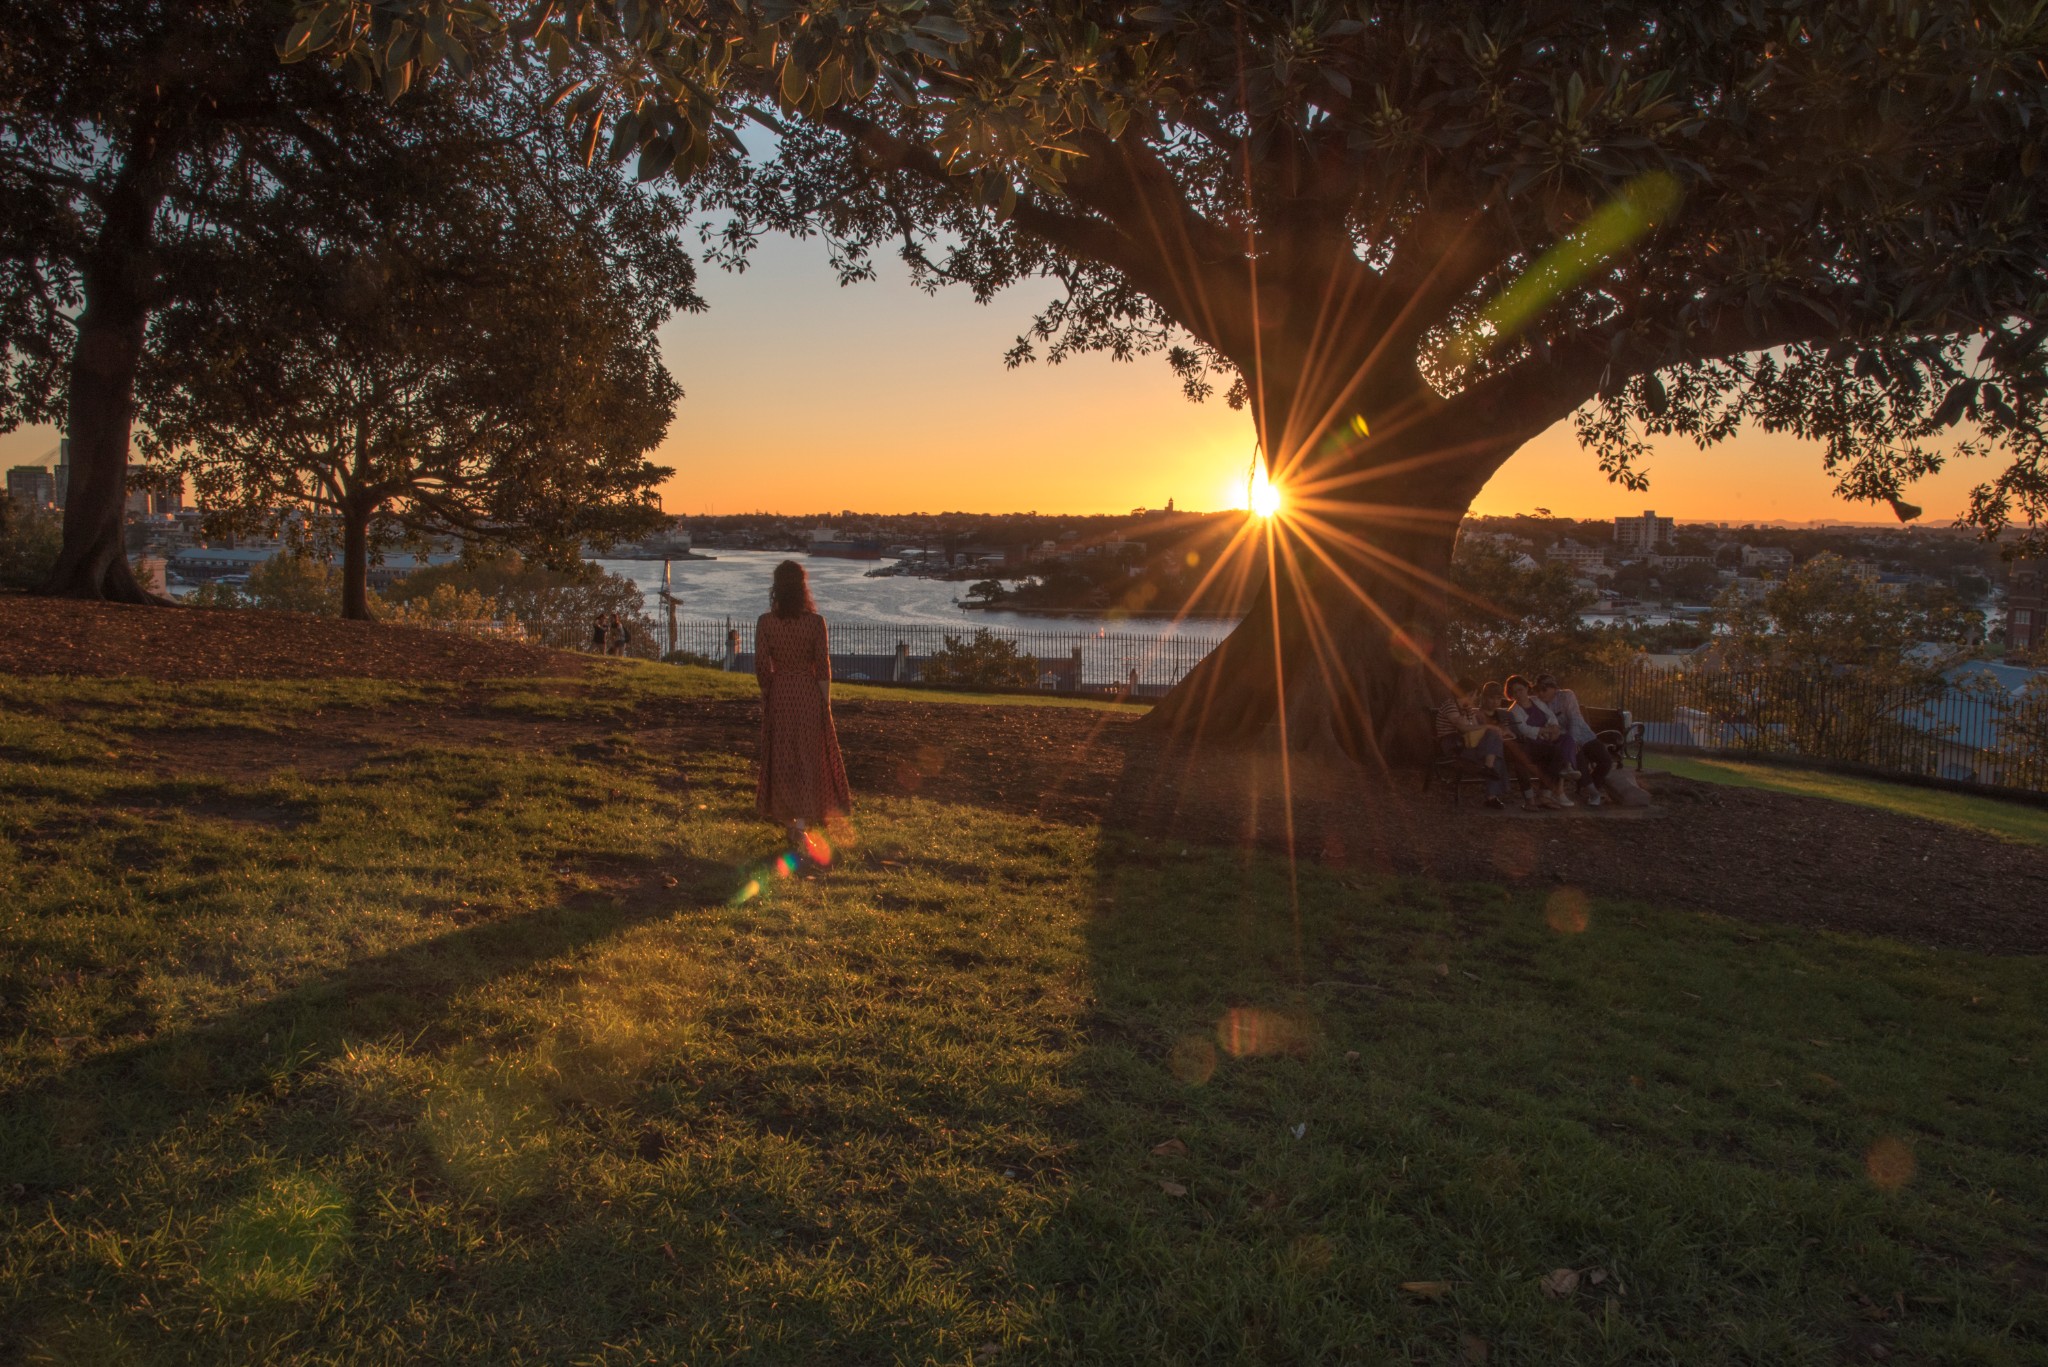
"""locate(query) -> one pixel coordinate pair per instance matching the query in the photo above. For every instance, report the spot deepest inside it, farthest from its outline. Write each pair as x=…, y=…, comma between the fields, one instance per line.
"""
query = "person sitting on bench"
x=1594, y=760
x=1462, y=732
x=1541, y=741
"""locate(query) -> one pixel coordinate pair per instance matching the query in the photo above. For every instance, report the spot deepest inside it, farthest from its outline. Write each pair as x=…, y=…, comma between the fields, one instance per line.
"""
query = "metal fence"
x=1962, y=726
x=1106, y=660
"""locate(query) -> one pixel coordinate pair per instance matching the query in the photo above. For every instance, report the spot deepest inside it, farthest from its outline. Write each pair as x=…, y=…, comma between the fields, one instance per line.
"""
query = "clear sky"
x=802, y=396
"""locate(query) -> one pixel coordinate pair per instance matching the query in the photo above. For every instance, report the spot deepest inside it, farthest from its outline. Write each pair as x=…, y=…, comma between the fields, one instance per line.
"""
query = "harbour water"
x=735, y=585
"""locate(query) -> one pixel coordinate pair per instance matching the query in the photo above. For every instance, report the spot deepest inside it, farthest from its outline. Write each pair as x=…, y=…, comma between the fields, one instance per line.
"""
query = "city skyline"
x=881, y=398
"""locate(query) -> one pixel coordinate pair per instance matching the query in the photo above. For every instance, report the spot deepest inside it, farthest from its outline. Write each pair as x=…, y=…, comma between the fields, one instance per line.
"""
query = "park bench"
x=1621, y=734
x=1453, y=771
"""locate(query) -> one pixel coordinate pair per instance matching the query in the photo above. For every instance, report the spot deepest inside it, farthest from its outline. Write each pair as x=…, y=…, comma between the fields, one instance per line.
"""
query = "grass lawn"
x=2007, y=820
x=474, y=1054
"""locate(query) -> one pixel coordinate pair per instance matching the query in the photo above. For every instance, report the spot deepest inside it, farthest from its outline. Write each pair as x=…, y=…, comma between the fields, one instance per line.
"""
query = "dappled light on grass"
x=277, y=1243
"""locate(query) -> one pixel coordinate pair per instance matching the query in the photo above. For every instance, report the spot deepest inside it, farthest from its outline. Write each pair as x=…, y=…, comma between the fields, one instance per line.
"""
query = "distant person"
x=1592, y=759
x=802, y=780
x=600, y=636
x=621, y=635
x=1464, y=733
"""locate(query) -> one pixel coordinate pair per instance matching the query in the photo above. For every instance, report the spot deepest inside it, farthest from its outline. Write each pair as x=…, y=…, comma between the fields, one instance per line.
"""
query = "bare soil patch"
x=44, y=636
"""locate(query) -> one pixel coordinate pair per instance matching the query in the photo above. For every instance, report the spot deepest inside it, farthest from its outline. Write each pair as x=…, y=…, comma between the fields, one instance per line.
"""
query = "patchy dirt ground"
x=57, y=636
x=1739, y=852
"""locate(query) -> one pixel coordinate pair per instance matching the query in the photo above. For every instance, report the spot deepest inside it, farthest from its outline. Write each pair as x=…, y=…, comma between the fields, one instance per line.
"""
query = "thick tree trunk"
x=1342, y=648
x=355, y=561
x=117, y=281
x=1334, y=658
x=105, y=358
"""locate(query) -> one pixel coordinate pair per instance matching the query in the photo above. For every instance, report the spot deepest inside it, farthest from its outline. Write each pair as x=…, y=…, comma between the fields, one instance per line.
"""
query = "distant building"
x=1636, y=537
x=1580, y=559
x=2026, y=608
x=31, y=486
x=1773, y=558
x=1680, y=562
x=63, y=469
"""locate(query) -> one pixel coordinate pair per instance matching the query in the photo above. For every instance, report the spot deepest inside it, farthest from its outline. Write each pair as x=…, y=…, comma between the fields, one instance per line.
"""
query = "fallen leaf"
x=668, y=880
x=1427, y=1291
x=1171, y=1148
x=1473, y=976
x=1173, y=1188
x=1301, y=1129
x=982, y=1350
x=1472, y=1350
x=1560, y=1282
x=1443, y=970
x=1597, y=1275
x=1351, y=1056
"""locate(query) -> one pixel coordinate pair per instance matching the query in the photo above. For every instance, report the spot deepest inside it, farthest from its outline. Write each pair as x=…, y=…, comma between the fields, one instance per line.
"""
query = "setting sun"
x=1262, y=495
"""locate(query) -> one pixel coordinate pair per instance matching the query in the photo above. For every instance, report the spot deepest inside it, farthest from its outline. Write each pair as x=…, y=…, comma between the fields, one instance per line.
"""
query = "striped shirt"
x=1453, y=718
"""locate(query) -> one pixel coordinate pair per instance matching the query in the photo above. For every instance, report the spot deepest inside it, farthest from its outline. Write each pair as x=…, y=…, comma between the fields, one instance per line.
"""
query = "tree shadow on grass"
x=1330, y=1115
x=57, y=1130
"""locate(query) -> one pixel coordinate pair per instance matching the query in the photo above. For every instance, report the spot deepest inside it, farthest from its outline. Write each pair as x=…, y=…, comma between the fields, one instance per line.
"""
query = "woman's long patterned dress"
x=802, y=776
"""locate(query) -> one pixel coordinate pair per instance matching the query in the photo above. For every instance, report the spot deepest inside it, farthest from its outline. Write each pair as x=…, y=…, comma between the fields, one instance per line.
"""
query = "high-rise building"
x=1640, y=536
x=63, y=469
x=31, y=486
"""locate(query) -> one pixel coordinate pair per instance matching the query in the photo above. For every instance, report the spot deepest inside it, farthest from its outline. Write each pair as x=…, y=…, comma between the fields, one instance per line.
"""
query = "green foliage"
x=295, y=583
x=1508, y=619
x=986, y=591
x=436, y=381
x=30, y=539
x=1830, y=666
x=986, y=661
x=553, y=607
x=459, y=1052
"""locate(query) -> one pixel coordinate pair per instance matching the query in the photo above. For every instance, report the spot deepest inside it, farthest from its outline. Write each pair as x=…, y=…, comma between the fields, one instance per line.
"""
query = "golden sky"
x=805, y=397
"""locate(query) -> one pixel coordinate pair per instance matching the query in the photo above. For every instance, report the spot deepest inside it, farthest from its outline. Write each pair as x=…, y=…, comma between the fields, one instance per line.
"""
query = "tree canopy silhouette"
x=1410, y=236
x=477, y=357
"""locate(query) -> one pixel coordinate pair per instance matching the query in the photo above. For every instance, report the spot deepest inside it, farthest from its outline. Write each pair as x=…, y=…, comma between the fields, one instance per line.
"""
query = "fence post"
x=732, y=649
x=902, y=669
x=1076, y=685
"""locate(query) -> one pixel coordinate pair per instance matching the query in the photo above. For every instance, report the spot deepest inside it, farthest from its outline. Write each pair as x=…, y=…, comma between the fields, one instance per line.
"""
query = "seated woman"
x=1463, y=732
x=1542, y=741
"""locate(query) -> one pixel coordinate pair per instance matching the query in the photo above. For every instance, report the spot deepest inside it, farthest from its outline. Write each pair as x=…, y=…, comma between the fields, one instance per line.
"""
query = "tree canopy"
x=479, y=358
x=1409, y=235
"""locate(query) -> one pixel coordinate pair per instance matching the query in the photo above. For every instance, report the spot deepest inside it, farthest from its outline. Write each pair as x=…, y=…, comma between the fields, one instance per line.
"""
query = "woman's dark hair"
x=1466, y=683
x=1491, y=693
x=1513, y=679
x=1544, y=681
x=790, y=595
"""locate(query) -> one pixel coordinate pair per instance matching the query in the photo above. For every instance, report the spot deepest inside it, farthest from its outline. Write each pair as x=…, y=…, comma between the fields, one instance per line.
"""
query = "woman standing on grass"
x=802, y=780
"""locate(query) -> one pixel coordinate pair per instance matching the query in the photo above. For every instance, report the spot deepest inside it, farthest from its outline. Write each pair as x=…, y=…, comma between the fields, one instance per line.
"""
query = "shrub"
x=987, y=661
x=29, y=541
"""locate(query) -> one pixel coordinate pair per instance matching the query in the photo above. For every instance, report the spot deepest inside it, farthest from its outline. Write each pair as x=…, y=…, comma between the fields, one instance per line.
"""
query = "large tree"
x=110, y=113
x=1410, y=235
x=477, y=356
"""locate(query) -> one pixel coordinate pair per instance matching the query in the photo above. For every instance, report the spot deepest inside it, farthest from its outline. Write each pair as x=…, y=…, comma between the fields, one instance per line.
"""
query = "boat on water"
x=848, y=550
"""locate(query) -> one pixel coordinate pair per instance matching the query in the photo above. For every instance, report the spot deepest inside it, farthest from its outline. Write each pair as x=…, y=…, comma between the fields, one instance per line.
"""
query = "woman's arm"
x=763, y=666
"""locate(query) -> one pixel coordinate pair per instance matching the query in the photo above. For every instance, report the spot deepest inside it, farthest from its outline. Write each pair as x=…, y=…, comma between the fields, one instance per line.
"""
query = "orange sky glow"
x=801, y=397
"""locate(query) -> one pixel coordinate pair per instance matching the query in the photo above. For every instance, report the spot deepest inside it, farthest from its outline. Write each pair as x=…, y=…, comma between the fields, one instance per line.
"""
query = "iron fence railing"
x=1958, y=725
x=1105, y=659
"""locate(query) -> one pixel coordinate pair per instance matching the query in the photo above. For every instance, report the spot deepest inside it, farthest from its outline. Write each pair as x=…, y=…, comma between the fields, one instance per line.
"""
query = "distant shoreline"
x=1095, y=614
